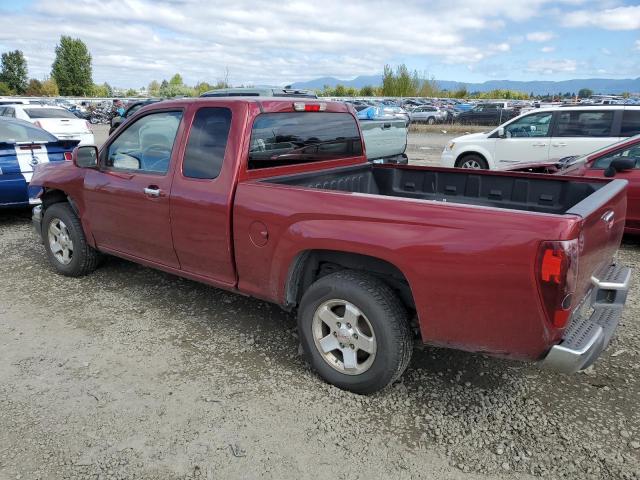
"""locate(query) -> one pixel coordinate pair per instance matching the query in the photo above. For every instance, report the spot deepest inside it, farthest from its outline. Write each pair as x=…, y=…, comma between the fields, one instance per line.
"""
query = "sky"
x=260, y=42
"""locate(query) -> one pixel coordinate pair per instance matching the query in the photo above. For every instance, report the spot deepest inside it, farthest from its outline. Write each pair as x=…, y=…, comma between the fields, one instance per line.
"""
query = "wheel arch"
x=311, y=265
x=468, y=153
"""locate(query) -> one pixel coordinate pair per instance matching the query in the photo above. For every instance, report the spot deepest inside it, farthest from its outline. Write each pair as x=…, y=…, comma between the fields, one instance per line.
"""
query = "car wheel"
x=431, y=120
x=474, y=162
x=67, y=248
x=354, y=331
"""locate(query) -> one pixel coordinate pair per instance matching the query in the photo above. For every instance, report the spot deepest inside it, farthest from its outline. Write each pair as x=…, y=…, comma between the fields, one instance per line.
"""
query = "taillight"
x=557, y=274
x=37, y=124
x=88, y=125
x=67, y=156
x=309, y=107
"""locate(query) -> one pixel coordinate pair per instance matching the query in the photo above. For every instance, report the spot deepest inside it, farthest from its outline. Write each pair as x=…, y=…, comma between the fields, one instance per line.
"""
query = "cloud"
x=550, y=67
x=540, y=36
x=620, y=18
x=547, y=49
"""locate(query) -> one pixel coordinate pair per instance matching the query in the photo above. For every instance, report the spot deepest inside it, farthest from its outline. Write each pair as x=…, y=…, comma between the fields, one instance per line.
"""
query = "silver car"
x=427, y=114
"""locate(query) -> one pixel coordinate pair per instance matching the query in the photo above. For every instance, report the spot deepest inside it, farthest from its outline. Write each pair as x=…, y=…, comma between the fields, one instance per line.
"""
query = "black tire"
x=470, y=159
x=84, y=258
x=383, y=310
x=431, y=121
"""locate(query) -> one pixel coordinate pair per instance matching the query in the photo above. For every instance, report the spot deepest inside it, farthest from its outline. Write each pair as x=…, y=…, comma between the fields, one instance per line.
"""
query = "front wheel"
x=431, y=121
x=67, y=248
x=354, y=331
x=474, y=162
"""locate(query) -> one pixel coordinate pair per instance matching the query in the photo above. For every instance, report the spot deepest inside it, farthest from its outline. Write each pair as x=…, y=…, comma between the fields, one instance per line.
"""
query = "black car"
x=487, y=114
x=130, y=110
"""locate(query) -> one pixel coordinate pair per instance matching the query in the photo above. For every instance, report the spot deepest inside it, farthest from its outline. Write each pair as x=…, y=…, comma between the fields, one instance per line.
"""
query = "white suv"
x=542, y=135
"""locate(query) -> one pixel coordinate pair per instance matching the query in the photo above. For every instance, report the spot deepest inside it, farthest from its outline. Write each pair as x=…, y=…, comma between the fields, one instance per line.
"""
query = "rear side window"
x=207, y=143
x=586, y=123
x=14, y=132
x=301, y=137
x=48, y=113
x=630, y=123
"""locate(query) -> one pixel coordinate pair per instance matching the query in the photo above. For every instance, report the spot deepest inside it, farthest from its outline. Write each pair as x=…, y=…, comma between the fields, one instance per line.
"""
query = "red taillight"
x=67, y=156
x=557, y=274
x=309, y=107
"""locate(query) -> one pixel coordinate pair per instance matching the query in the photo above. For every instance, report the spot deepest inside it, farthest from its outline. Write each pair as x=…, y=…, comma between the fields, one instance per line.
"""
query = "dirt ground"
x=133, y=373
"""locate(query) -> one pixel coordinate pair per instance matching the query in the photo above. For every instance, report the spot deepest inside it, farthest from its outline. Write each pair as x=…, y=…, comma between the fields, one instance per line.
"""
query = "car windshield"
x=48, y=113
x=18, y=132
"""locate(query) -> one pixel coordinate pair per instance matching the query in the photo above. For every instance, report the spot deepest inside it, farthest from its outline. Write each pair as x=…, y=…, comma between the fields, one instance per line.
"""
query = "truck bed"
x=491, y=189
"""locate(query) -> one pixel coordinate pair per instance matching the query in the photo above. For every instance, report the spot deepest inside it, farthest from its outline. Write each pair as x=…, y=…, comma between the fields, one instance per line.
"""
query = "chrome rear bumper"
x=588, y=336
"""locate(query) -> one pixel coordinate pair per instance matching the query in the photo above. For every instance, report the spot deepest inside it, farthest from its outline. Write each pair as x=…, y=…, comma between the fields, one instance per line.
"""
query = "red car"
x=620, y=160
x=274, y=198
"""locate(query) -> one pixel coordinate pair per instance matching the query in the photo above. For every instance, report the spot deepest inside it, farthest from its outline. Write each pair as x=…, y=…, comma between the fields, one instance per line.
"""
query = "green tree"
x=176, y=80
x=13, y=71
x=131, y=93
x=154, y=88
x=388, y=82
x=5, y=89
x=367, y=91
x=71, y=68
x=201, y=87
x=50, y=88
x=34, y=88
x=585, y=92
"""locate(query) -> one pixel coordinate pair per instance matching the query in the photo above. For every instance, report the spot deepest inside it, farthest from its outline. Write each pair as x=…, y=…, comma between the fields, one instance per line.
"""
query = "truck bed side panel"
x=470, y=269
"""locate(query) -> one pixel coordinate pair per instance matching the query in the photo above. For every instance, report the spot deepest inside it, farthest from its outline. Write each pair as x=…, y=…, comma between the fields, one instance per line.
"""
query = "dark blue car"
x=22, y=147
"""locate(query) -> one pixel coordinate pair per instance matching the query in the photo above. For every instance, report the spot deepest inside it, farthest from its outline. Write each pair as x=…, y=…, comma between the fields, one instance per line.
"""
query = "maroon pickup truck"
x=274, y=198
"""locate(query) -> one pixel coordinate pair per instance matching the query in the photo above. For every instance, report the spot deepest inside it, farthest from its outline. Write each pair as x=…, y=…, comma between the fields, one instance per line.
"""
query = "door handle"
x=559, y=144
x=539, y=145
x=152, y=191
x=386, y=126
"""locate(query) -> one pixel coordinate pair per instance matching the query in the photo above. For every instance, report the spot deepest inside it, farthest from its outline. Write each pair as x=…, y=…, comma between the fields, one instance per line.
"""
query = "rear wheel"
x=67, y=248
x=354, y=331
x=474, y=162
x=431, y=120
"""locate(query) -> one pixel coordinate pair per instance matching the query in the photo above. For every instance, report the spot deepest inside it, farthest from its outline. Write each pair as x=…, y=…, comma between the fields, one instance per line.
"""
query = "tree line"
x=71, y=75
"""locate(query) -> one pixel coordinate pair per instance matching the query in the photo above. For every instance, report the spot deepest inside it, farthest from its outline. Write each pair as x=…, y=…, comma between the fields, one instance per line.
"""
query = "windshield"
x=49, y=113
x=18, y=132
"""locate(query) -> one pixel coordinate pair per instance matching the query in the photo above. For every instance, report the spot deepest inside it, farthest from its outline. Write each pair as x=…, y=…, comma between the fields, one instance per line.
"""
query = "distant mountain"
x=538, y=87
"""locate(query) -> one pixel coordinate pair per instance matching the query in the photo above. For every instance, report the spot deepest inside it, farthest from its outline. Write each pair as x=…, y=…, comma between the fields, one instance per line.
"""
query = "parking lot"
x=134, y=373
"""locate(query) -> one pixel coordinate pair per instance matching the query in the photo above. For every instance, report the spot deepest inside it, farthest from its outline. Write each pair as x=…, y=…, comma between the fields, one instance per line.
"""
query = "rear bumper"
x=589, y=335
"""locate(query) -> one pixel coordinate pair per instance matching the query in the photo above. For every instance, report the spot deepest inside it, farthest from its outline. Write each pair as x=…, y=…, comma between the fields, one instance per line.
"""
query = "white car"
x=55, y=120
x=542, y=135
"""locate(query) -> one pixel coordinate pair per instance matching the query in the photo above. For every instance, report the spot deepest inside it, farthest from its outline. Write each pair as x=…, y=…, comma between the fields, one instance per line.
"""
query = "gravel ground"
x=133, y=373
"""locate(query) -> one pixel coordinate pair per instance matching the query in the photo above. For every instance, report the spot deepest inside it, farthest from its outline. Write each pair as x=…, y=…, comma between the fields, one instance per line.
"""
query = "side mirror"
x=501, y=132
x=85, y=156
x=619, y=165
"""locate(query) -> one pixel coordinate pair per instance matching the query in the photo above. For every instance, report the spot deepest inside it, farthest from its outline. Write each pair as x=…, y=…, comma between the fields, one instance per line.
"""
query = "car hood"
x=469, y=137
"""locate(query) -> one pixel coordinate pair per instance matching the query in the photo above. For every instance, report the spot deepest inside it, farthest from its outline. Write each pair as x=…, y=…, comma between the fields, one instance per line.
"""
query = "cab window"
x=146, y=144
x=534, y=125
x=207, y=143
x=632, y=153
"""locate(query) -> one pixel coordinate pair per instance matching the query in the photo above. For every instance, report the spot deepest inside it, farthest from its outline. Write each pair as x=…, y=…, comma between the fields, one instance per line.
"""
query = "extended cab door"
x=202, y=192
x=127, y=198
x=581, y=131
x=525, y=140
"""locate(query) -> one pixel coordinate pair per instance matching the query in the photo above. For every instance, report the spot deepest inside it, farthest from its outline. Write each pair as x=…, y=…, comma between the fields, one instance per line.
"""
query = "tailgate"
x=603, y=214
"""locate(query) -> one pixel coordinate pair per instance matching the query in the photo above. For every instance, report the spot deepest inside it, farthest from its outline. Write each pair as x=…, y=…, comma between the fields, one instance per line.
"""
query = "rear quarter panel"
x=470, y=269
